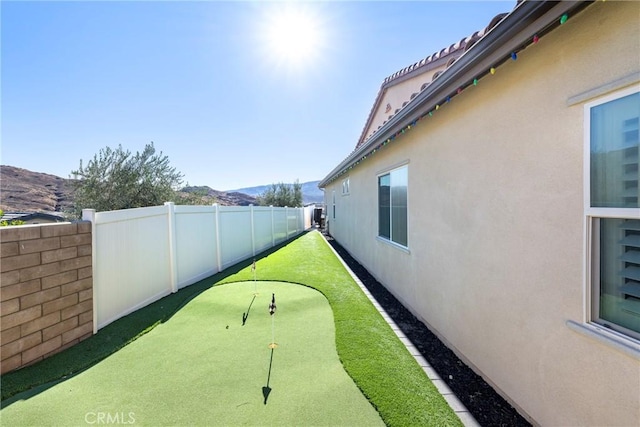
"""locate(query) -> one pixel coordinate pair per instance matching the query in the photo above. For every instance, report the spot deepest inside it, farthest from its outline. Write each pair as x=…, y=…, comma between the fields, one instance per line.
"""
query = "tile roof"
x=504, y=37
x=28, y=216
x=448, y=54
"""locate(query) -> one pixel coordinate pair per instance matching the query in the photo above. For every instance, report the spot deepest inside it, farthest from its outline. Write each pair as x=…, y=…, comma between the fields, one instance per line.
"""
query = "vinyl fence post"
x=273, y=233
x=173, y=261
x=286, y=216
x=301, y=212
x=218, y=256
x=306, y=218
x=90, y=215
x=253, y=232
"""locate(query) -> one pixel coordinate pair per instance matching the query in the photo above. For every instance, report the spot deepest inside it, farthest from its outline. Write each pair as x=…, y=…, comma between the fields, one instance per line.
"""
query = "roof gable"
x=402, y=86
x=525, y=25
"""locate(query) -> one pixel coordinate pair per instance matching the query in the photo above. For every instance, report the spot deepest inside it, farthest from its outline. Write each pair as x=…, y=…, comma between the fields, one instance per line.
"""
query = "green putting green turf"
x=205, y=367
x=371, y=354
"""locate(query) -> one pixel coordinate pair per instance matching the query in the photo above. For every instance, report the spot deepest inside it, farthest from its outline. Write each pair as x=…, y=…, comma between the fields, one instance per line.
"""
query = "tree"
x=116, y=179
x=281, y=194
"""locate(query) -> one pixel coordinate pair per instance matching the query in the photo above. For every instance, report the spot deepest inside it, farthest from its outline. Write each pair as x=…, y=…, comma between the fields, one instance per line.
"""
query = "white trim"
x=587, y=150
x=346, y=185
x=586, y=270
x=605, y=88
x=630, y=90
x=594, y=270
x=392, y=167
x=404, y=164
x=394, y=244
x=610, y=338
x=591, y=242
x=333, y=205
x=613, y=212
x=586, y=158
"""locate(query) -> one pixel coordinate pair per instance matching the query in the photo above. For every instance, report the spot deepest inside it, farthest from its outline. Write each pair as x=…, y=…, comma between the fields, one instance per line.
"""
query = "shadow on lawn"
x=245, y=316
x=68, y=363
x=266, y=389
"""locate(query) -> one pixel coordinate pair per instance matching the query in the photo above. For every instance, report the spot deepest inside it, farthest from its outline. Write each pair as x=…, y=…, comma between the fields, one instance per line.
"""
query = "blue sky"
x=209, y=82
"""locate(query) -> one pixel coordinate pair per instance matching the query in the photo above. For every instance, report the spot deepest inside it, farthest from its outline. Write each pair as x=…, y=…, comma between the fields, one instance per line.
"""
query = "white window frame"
x=378, y=236
x=333, y=204
x=590, y=326
x=345, y=187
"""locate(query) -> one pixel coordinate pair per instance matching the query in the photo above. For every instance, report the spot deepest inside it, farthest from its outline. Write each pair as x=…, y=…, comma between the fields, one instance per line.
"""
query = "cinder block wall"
x=46, y=299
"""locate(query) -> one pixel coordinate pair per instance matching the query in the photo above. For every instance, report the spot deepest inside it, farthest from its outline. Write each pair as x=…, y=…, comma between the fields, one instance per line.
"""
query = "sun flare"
x=293, y=36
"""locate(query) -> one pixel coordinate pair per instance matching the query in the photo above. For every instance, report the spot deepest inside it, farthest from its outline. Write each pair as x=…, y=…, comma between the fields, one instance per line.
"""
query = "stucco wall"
x=496, y=224
x=47, y=291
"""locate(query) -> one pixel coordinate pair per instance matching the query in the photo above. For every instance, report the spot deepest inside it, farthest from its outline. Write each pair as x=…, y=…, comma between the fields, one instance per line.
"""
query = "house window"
x=345, y=186
x=392, y=205
x=333, y=204
x=613, y=211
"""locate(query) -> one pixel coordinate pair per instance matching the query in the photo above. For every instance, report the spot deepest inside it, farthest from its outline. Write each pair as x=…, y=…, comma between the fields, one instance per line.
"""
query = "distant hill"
x=224, y=198
x=22, y=190
x=310, y=192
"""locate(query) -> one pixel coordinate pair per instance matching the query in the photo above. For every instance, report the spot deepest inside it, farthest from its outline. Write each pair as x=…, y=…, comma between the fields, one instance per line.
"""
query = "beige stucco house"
x=500, y=205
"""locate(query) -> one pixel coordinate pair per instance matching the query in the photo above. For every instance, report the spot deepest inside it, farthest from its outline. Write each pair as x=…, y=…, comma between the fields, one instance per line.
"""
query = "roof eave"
x=514, y=31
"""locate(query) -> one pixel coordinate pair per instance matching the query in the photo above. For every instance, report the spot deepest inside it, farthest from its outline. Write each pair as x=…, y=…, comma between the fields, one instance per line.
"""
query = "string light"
x=492, y=70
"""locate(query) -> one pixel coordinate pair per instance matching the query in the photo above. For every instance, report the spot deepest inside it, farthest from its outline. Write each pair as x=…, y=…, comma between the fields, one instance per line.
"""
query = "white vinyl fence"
x=143, y=254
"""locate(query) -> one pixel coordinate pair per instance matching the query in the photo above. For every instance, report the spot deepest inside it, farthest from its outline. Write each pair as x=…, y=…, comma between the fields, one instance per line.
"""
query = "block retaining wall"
x=46, y=291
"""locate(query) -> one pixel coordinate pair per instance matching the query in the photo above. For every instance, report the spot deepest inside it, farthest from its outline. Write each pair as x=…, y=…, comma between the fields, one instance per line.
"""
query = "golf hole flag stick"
x=272, y=311
x=253, y=269
x=272, y=306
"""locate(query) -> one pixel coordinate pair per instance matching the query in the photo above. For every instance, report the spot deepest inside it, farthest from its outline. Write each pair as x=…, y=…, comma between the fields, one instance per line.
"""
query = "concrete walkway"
x=461, y=411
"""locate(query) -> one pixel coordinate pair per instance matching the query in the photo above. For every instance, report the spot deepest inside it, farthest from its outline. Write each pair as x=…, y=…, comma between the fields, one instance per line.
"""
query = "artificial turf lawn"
x=205, y=367
x=369, y=350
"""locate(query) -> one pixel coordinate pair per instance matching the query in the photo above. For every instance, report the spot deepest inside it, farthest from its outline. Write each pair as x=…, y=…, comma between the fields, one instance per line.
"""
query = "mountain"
x=310, y=192
x=208, y=196
x=22, y=190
